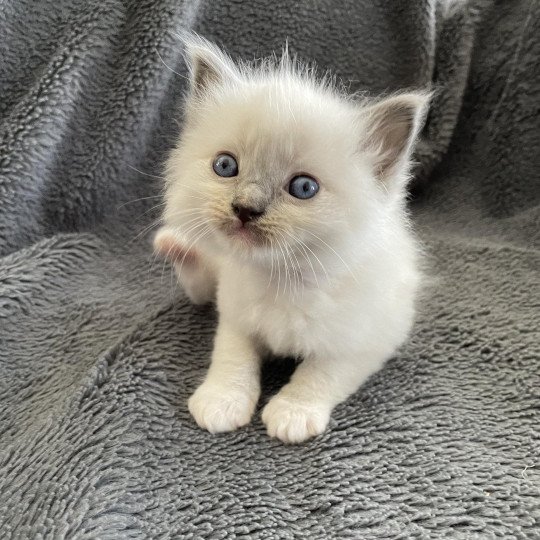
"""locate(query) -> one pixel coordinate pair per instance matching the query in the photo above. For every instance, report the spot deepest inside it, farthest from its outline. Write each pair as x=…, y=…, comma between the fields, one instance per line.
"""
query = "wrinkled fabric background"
x=99, y=350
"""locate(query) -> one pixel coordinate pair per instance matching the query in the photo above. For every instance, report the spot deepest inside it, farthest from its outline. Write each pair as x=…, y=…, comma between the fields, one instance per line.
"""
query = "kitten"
x=285, y=202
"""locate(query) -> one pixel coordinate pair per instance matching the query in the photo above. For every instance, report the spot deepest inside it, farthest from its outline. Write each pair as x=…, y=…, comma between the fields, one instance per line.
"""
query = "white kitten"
x=287, y=199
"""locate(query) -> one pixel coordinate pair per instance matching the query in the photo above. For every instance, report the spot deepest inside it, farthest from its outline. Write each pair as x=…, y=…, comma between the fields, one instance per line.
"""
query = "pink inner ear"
x=390, y=127
x=168, y=246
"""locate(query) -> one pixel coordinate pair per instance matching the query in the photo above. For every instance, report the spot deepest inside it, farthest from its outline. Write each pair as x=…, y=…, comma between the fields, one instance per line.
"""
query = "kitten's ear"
x=208, y=65
x=389, y=129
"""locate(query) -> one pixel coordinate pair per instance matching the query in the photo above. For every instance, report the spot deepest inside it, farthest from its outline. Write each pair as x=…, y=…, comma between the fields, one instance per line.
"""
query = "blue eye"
x=303, y=187
x=225, y=165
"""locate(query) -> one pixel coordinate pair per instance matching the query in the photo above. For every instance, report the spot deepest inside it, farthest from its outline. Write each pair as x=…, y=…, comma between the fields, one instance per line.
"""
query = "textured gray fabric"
x=99, y=351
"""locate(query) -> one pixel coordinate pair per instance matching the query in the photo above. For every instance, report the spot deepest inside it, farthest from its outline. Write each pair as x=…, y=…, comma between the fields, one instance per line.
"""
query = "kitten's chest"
x=289, y=323
x=284, y=326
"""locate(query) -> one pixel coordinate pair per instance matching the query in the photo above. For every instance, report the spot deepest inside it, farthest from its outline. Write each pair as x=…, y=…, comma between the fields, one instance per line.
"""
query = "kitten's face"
x=265, y=174
x=272, y=164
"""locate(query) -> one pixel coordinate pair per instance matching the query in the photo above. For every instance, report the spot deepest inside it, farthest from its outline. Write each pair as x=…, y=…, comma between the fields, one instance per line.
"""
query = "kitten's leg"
x=301, y=409
x=198, y=279
x=194, y=271
x=227, y=398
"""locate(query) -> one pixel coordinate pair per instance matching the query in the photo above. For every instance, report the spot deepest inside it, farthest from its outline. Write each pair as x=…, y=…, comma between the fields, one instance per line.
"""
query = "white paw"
x=193, y=272
x=219, y=408
x=294, y=421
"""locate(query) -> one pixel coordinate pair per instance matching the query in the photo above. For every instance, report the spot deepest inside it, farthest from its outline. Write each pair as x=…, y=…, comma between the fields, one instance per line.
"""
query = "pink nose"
x=245, y=214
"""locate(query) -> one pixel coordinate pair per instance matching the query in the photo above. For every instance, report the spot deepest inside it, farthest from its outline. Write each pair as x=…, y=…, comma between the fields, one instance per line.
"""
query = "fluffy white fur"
x=332, y=279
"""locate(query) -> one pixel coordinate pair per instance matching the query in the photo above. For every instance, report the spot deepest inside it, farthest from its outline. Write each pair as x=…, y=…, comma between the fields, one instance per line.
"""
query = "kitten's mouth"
x=247, y=234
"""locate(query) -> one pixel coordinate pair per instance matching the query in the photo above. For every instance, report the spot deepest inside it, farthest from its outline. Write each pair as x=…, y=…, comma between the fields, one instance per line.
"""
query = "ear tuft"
x=390, y=128
x=208, y=65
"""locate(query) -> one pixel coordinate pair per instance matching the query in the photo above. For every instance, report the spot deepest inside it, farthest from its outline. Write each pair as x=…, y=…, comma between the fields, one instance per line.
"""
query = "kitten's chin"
x=246, y=239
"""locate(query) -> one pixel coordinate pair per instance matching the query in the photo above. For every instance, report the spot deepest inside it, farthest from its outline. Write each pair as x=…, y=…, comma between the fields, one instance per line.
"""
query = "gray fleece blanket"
x=99, y=350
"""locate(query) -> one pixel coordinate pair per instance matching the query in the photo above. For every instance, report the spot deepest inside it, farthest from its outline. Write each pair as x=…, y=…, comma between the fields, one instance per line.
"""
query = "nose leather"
x=246, y=213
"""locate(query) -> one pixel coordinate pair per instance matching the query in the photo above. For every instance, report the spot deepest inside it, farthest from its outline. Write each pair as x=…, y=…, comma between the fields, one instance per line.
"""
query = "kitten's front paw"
x=194, y=274
x=294, y=421
x=219, y=408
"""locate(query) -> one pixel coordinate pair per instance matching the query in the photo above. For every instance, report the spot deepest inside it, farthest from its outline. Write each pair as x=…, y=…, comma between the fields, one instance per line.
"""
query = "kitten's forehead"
x=284, y=125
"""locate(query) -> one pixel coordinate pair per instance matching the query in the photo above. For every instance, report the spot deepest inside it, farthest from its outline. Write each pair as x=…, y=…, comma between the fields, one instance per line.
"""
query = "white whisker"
x=272, y=261
x=145, y=173
x=306, y=256
x=191, y=229
x=298, y=265
x=297, y=275
x=287, y=277
x=141, y=199
x=159, y=220
x=169, y=67
x=156, y=206
x=335, y=252
x=207, y=230
x=317, y=259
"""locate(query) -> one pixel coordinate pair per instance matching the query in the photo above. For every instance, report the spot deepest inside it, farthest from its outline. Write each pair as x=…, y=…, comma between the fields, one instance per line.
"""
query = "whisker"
x=191, y=188
x=294, y=274
x=150, y=210
x=169, y=67
x=207, y=230
x=137, y=200
x=144, y=173
x=165, y=260
x=287, y=279
x=293, y=271
x=269, y=240
x=306, y=256
x=188, y=231
x=300, y=276
x=286, y=260
x=279, y=274
x=303, y=246
x=159, y=220
x=185, y=213
x=318, y=260
x=336, y=253
x=295, y=258
x=154, y=223
x=197, y=216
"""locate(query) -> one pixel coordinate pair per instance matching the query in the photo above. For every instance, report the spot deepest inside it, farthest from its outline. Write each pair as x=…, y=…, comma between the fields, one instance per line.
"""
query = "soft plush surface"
x=99, y=351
